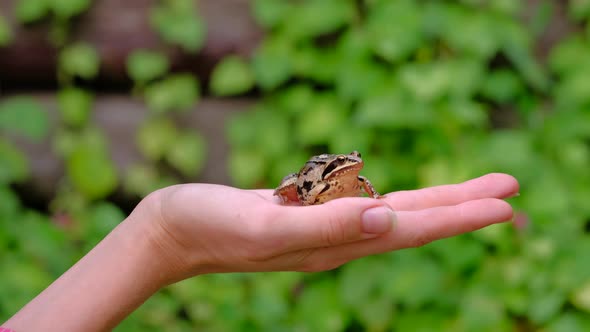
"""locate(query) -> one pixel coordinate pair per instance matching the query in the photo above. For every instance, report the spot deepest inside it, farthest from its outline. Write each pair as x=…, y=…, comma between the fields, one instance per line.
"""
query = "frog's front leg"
x=314, y=196
x=368, y=187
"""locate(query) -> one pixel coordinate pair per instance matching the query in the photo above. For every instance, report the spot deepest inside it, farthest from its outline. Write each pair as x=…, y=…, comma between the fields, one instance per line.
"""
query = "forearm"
x=112, y=280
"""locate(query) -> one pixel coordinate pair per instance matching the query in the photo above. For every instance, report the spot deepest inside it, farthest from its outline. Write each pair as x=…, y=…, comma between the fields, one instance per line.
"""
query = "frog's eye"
x=358, y=154
x=341, y=158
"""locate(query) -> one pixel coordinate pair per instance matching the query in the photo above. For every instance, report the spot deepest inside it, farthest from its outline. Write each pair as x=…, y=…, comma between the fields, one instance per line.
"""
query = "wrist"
x=169, y=256
x=107, y=284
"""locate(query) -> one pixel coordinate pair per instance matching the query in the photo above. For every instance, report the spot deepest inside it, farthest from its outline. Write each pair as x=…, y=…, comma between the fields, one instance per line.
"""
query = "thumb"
x=333, y=223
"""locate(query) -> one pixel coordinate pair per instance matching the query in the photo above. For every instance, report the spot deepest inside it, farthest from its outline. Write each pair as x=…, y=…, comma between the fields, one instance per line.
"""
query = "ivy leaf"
x=188, y=153
x=102, y=218
x=395, y=28
x=75, y=106
x=80, y=60
x=179, y=25
x=14, y=166
x=144, y=65
x=317, y=17
x=29, y=11
x=570, y=321
x=143, y=179
x=92, y=172
x=155, y=137
x=65, y=9
x=270, y=13
x=177, y=92
x=272, y=63
x=5, y=32
x=24, y=116
x=232, y=76
x=326, y=112
x=502, y=86
x=247, y=167
x=579, y=10
x=319, y=308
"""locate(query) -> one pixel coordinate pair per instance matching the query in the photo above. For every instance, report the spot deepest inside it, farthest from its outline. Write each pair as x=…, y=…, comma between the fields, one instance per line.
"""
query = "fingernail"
x=514, y=195
x=378, y=220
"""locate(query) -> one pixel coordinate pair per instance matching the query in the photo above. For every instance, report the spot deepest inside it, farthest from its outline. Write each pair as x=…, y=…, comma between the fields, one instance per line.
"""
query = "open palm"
x=214, y=228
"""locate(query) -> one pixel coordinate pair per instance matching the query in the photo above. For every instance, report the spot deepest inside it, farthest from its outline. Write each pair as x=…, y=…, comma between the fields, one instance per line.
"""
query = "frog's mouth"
x=335, y=170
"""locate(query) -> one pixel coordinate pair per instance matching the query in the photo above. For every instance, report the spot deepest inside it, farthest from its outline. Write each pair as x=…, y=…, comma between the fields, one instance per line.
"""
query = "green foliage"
x=144, y=66
x=430, y=92
x=75, y=106
x=28, y=11
x=177, y=92
x=232, y=76
x=23, y=116
x=79, y=60
x=14, y=166
x=91, y=171
x=177, y=22
x=5, y=32
x=433, y=92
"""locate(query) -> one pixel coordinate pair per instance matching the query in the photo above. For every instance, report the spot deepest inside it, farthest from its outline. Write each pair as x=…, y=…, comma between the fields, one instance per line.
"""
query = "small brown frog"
x=326, y=177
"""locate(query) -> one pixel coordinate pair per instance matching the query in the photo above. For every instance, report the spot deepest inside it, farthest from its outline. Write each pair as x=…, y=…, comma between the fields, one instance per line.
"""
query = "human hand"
x=204, y=228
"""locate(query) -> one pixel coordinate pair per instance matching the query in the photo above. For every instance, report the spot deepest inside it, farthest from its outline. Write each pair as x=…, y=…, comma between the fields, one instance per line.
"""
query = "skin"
x=187, y=230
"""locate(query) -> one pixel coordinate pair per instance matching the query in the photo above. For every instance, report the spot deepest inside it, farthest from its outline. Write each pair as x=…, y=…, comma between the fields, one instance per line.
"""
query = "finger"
x=330, y=224
x=495, y=185
x=417, y=228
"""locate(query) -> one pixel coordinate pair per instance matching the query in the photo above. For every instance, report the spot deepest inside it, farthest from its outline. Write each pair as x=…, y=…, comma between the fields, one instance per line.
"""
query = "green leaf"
x=272, y=63
x=102, y=218
x=24, y=116
x=361, y=288
x=569, y=55
x=177, y=23
x=143, y=179
x=155, y=137
x=570, y=321
x=28, y=11
x=9, y=201
x=477, y=36
x=232, y=76
x=417, y=281
x=5, y=32
x=480, y=309
x=502, y=86
x=14, y=166
x=579, y=9
x=270, y=13
x=247, y=167
x=80, y=60
x=317, y=17
x=395, y=28
x=65, y=9
x=75, y=106
x=92, y=172
x=581, y=297
x=188, y=154
x=327, y=113
x=145, y=65
x=178, y=92
x=319, y=308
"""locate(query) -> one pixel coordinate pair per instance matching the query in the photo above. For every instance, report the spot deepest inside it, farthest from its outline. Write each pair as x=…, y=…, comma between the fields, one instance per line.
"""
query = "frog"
x=326, y=177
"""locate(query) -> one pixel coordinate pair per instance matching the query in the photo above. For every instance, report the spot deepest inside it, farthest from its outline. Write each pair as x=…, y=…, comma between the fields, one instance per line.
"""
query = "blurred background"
x=102, y=102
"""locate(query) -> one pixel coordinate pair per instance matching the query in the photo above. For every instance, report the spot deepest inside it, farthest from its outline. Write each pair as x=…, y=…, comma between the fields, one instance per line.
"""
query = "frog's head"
x=342, y=165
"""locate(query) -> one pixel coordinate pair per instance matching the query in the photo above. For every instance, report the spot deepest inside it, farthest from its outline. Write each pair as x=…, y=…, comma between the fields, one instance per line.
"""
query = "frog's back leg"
x=287, y=189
